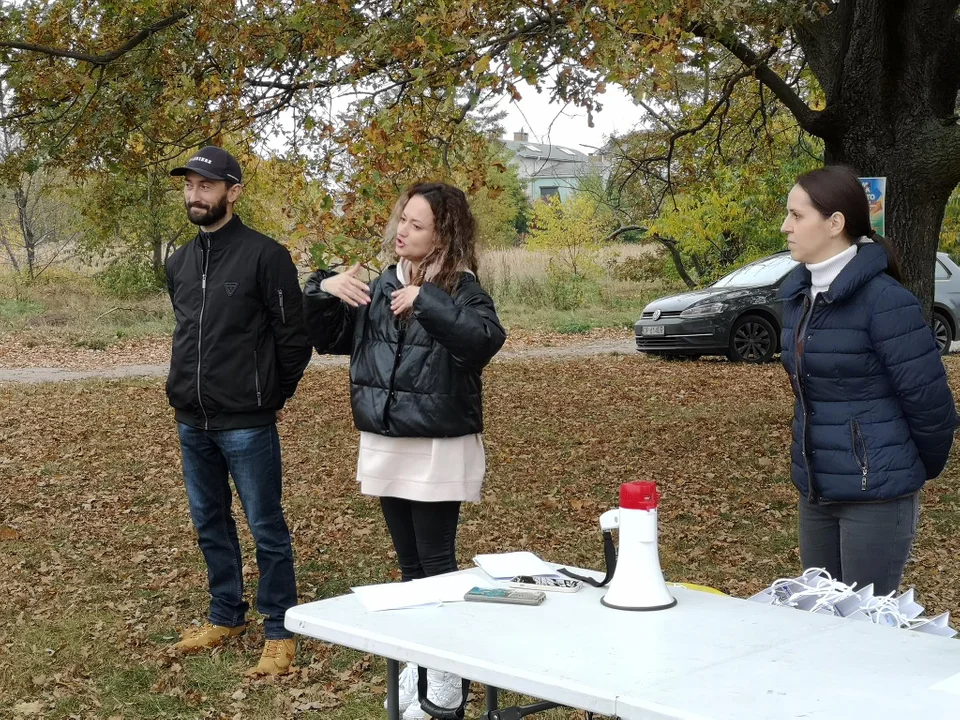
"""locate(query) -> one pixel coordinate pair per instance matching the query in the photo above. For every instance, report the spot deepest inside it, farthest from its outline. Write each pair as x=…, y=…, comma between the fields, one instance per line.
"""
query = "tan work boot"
x=277, y=658
x=206, y=636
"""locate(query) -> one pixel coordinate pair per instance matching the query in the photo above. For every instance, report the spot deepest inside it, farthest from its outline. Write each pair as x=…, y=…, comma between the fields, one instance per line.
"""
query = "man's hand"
x=346, y=287
x=403, y=299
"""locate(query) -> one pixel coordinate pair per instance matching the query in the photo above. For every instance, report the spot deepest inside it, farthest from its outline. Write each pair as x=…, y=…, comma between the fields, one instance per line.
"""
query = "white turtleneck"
x=822, y=274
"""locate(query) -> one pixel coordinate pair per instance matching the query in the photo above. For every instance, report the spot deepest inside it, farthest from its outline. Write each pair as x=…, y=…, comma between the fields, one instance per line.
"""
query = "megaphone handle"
x=609, y=558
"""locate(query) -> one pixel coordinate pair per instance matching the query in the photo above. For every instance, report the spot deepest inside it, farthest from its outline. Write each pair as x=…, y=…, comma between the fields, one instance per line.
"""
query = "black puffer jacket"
x=418, y=377
x=239, y=348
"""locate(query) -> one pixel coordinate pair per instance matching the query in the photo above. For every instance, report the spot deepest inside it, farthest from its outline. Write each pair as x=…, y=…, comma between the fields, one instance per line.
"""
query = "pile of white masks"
x=815, y=591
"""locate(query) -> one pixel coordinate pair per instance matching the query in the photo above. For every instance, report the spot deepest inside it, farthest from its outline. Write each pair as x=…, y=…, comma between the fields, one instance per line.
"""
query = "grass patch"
x=13, y=310
x=607, y=304
x=69, y=309
x=72, y=310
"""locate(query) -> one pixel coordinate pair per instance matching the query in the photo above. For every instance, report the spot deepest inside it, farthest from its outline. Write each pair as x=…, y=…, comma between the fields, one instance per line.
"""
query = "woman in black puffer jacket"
x=419, y=337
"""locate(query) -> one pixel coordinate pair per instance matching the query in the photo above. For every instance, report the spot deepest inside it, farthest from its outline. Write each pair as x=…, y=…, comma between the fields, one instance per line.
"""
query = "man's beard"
x=211, y=216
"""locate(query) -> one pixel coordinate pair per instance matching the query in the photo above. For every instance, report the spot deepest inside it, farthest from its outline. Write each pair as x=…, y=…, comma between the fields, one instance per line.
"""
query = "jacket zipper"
x=805, y=317
x=857, y=437
x=203, y=303
x=283, y=314
x=256, y=374
x=393, y=375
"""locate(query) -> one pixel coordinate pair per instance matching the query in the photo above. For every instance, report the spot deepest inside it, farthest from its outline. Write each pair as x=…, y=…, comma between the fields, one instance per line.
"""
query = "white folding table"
x=710, y=657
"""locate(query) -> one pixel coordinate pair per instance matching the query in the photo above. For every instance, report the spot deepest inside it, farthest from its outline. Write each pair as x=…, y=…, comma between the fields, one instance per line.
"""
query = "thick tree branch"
x=946, y=82
x=291, y=86
x=105, y=58
x=621, y=230
x=951, y=148
x=812, y=121
x=729, y=84
x=673, y=248
x=825, y=44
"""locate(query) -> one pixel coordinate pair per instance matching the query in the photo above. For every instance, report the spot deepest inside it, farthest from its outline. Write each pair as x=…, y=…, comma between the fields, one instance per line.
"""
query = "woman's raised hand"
x=348, y=288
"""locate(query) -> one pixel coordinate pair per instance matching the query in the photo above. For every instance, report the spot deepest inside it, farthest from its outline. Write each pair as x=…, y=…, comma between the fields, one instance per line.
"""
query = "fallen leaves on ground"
x=100, y=569
x=24, y=350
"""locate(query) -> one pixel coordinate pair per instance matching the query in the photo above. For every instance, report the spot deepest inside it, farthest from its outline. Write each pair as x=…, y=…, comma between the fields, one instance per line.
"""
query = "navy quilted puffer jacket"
x=874, y=416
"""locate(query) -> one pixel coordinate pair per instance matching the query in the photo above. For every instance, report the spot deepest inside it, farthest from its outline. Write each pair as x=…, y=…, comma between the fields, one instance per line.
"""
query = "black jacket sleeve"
x=280, y=291
x=466, y=325
x=169, y=274
x=328, y=320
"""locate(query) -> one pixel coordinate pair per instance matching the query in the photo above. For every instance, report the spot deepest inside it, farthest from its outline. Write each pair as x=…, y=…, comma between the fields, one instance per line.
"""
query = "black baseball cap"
x=213, y=163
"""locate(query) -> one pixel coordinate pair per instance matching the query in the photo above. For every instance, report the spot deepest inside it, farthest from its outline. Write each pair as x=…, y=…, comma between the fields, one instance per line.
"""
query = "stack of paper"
x=503, y=566
x=429, y=592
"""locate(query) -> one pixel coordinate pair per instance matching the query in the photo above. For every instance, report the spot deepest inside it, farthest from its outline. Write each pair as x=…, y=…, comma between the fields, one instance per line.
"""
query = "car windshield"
x=759, y=273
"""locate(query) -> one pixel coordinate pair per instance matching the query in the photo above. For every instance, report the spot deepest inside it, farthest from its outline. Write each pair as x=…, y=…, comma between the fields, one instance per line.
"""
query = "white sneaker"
x=443, y=689
x=408, y=687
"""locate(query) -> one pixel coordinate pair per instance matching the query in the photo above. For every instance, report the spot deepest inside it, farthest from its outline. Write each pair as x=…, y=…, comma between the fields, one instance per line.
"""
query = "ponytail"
x=893, y=259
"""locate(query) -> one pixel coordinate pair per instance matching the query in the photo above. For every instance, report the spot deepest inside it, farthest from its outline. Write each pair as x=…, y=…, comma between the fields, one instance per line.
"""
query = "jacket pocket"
x=256, y=377
x=860, y=451
x=283, y=313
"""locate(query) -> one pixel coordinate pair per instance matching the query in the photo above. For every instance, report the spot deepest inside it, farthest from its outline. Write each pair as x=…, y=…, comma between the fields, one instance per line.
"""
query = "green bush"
x=640, y=268
x=131, y=279
x=566, y=290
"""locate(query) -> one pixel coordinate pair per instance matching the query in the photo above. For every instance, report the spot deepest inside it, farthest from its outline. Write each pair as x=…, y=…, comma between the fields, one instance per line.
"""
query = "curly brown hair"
x=455, y=232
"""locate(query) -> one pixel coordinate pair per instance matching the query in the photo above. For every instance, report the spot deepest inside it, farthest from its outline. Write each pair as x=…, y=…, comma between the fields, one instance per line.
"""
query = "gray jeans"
x=860, y=543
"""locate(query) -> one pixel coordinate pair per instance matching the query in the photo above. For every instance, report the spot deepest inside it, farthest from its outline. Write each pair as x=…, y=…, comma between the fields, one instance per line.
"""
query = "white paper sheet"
x=503, y=566
x=428, y=592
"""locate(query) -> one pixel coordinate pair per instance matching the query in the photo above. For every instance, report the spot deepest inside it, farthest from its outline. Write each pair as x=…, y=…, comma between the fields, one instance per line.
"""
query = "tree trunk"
x=156, y=237
x=913, y=225
x=26, y=229
x=890, y=75
x=671, y=246
x=11, y=254
x=916, y=199
x=157, y=244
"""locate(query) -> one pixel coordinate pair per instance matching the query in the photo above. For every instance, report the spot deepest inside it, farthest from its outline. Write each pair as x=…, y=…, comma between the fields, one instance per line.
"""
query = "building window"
x=549, y=191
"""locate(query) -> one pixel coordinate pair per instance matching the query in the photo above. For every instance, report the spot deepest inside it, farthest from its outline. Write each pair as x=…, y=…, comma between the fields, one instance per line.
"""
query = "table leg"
x=491, y=698
x=393, y=689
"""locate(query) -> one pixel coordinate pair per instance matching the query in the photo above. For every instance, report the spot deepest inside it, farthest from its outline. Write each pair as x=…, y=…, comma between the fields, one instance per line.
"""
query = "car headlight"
x=703, y=309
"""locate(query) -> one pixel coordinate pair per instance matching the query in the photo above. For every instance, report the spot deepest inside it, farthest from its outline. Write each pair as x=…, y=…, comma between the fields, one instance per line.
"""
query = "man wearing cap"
x=239, y=350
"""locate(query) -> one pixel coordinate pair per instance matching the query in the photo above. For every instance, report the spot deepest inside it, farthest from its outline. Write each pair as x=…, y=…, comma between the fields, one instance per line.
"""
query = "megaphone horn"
x=637, y=582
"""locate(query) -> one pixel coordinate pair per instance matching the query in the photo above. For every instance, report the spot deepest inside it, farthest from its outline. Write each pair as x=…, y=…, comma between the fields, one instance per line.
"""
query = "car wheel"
x=752, y=339
x=942, y=332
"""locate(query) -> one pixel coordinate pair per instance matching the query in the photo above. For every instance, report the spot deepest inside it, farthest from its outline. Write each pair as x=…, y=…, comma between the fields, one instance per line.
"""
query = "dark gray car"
x=739, y=315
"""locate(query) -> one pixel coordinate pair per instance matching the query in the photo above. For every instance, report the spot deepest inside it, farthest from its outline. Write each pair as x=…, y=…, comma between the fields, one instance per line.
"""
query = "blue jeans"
x=252, y=458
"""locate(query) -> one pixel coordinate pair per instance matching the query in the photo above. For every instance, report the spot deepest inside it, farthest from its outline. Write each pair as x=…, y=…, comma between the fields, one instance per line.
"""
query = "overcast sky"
x=547, y=122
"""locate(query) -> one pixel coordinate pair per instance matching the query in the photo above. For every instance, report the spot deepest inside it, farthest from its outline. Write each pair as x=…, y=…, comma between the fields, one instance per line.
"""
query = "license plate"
x=652, y=330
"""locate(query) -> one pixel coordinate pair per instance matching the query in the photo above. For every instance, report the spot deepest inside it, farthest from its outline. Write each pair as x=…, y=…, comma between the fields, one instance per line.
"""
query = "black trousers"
x=424, y=535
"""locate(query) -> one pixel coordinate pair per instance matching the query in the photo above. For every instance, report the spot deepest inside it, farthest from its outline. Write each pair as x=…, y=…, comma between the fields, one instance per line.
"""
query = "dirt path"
x=614, y=346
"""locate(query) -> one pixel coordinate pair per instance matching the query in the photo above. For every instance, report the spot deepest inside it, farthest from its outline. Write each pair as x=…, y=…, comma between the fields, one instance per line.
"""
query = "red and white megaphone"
x=637, y=582
x=633, y=573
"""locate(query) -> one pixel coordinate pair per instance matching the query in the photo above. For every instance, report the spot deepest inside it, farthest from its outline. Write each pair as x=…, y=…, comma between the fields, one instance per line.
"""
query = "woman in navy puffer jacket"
x=874, y=416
